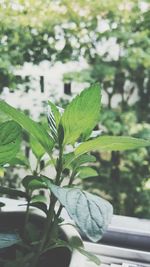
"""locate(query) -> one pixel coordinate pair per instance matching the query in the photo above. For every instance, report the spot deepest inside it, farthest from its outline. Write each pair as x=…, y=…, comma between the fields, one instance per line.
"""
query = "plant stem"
x=26, y=219
x=51, y=216
x=71, y=178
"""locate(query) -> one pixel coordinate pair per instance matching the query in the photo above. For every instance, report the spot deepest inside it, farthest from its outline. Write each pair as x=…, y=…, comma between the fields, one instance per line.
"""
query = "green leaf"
x=75, y=242
x=111, y=143
x=33, y=128
x=12, y=192
x=8, y=239
x=37, y=149
x=31, y=182
x=10, y=138
x=52, y=121
x=20, y=159
x=67, y=159
x=86, y=172
x=38, y=198
x=54, y=117
x=81, y=115
x=91, y=214
x=9, y=131
x=58, y=244
x=72, y=162
x=90, y=256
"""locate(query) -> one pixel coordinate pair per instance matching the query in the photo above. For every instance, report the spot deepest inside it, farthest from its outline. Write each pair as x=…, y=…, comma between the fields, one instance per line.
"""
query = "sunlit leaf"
x=72, y=161
x=111, y=143
x=81, y=115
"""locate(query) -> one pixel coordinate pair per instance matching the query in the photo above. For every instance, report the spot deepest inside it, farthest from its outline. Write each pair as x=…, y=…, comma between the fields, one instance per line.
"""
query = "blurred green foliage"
x=123, y=177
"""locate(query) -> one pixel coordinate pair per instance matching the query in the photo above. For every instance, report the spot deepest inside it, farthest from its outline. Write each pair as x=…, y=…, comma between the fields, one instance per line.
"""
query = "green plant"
x=65, y=130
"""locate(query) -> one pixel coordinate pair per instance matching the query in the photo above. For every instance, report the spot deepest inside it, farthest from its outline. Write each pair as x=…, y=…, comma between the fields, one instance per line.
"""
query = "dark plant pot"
x=60, y=257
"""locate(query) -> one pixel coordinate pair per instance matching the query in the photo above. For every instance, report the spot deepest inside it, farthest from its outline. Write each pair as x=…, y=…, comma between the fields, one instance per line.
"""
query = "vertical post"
x=42, y=84
x=27, y=151
x=26, y=84
x=42, y=165
x=67, y=88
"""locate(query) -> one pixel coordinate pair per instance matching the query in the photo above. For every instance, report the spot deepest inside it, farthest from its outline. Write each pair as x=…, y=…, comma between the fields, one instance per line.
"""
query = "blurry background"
x=51, y=49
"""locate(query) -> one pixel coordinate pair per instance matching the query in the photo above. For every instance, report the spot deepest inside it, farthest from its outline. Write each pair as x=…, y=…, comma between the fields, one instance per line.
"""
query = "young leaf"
x=10, y=133
x=86, y=172
x=8, y=239
x=109, y=143
x=33, y=128
x=72, y=162
x=97, y=211
x=54, y=117
x=81, y=115
x=37, y=149
x=52, y=124
x=31, y=182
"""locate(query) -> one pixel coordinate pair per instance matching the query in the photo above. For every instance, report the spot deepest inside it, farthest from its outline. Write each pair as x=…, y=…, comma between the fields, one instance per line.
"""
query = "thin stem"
x=26, y=219
x=72, y=178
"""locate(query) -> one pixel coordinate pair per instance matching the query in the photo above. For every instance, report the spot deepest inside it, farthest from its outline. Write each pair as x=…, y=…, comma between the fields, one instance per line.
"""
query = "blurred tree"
x=112, y=35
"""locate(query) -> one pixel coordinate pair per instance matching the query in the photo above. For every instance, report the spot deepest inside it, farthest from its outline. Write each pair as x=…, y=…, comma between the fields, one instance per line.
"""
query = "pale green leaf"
x=8, y=239
x=81, y=115
x=91, y=214
x=111, y=143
